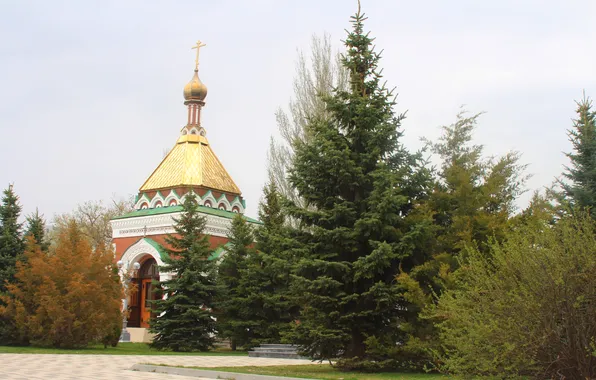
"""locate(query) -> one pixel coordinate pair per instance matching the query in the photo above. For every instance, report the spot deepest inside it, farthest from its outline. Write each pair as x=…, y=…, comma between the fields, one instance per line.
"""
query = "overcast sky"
x=91, y=91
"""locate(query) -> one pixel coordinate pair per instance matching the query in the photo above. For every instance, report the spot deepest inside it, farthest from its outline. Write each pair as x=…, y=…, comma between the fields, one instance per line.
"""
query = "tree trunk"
x=356, y=347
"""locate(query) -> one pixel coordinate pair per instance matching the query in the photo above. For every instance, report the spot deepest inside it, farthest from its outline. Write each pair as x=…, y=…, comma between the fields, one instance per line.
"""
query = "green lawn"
x=325, y=371
x=121, y=349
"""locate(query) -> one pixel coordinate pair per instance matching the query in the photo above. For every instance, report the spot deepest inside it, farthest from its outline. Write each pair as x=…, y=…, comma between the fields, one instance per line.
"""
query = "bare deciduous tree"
x=316, y=75
x=93, y=218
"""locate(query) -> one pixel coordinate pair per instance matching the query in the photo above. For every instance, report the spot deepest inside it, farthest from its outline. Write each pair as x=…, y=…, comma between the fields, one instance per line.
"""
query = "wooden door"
x=146, y=297
x=134, y=316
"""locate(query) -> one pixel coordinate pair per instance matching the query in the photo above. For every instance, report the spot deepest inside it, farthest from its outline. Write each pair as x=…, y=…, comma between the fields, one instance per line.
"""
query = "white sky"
x=91, y=91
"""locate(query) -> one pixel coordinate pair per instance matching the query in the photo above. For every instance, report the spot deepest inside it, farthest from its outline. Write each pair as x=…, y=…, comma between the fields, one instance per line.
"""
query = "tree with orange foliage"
x=68, y=298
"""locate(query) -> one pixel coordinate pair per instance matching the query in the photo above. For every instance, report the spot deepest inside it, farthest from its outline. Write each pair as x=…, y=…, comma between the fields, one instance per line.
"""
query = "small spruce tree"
x=185, y=319
x=257, y=307
x=267, y=276
x=36, y=228
x=232, y=298
x=12, y=245
x=580, y=189
x=12, y=248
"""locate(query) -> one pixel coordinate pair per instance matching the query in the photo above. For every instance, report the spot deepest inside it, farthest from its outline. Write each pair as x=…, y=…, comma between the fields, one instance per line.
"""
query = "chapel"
x=191, y=165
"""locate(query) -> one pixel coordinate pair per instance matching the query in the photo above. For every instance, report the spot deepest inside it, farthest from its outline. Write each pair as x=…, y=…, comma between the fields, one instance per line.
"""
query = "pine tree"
x=12, y=245
x=362, y=188
x=232, y=299
x=185, y=320
x=580, y=191
x=36, y=228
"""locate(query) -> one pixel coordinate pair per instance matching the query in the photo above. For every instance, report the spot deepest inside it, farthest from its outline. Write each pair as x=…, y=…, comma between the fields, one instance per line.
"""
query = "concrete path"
x=108, y=367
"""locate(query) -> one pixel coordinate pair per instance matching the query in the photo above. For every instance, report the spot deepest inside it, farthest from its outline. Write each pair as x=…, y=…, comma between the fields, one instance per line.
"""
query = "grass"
x=121, y=349
x=325, y=371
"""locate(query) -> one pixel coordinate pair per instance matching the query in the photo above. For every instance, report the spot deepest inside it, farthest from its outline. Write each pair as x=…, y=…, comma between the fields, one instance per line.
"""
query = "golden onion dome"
x=195, y=89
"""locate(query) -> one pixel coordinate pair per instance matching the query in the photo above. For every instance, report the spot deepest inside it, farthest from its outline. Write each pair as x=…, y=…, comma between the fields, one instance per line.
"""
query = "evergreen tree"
x=474, y=196
x=185, y=320
x=362, y=188
x=12, y=245
x=580, y=190
x=258, y=308
x=232, y=298
x=267, y=276
x=36, y=228
x=67, y=299
x=472, y=204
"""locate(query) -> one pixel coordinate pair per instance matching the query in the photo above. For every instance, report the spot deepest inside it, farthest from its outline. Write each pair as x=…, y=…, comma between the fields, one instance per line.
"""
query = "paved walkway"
x=112, y=367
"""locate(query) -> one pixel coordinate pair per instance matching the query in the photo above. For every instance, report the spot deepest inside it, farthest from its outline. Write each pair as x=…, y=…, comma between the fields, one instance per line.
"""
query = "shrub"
x=528, y=307
x=68, y=298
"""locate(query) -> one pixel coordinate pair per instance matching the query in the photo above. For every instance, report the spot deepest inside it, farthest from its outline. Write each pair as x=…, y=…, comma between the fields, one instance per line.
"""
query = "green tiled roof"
x=218, y=251
x=163, y=254
x=178, y=208
x=158, y=247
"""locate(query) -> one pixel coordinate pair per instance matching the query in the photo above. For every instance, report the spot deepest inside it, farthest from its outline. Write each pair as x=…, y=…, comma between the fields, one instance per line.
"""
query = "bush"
x=526, y=308
x=113, y=334
x=68, y=298
x=383, y=355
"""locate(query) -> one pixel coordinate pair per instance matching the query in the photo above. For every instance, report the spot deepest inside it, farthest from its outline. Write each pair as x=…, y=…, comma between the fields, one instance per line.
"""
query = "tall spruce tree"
x=12, y=245
x=36, y=228
x=232, y=299
x=580, y=189
x=185, y=320
x=362, y=188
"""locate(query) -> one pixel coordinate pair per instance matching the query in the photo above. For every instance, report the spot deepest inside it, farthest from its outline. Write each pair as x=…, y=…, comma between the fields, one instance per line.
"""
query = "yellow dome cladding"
x=195, y=89
x=191, y=163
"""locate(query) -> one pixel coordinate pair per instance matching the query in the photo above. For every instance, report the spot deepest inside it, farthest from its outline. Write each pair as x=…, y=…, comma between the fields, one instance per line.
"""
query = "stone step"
x=276, y=355
x=274, y=349
x=277, y=345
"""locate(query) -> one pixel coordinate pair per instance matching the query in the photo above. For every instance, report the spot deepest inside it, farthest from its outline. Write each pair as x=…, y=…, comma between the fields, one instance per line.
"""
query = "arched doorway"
x=140, y=299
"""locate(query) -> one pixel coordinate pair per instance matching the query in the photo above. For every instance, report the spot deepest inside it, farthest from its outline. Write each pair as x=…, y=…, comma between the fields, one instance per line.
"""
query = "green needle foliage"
x=12, y=249
x=36, y=228
x=268, y=270
x=580, y=190
x=185, y=320
x=255, y=306
x=232, y=300
x=359, y=226
x=12, y=245
x=472, y=202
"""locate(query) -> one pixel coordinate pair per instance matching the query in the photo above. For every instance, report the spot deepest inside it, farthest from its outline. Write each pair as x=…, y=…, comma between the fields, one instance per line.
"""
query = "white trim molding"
x=136, y=254
x=163, y=224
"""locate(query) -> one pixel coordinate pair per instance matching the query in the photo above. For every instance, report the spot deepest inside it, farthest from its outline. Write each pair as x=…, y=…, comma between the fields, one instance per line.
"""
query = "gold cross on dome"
x=198, y=46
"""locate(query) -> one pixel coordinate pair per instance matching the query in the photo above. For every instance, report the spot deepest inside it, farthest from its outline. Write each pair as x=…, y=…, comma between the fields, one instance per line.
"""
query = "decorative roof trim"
x=173, y=209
